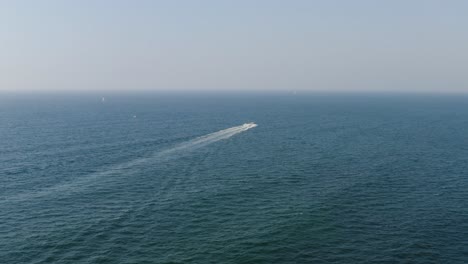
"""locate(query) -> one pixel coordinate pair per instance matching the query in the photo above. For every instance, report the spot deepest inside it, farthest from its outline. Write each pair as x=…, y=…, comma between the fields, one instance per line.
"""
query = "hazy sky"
x=331, y=45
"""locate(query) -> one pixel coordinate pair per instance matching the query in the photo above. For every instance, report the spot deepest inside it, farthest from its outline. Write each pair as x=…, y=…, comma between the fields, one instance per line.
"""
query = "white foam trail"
x=122, y=167
x=210, y=138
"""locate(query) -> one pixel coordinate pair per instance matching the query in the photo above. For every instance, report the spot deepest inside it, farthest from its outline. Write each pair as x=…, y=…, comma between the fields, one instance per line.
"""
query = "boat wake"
x=132, y=166
x=209, y=139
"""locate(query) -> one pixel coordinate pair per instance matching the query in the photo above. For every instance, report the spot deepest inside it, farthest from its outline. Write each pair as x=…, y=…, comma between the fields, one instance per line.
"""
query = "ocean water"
x=148, y=178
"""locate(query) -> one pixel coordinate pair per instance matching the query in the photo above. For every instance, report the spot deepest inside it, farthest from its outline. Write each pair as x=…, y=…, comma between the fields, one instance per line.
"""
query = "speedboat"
x=249, y=125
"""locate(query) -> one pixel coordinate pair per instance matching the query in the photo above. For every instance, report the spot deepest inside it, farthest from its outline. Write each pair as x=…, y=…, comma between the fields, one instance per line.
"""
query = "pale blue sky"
x=328, y=45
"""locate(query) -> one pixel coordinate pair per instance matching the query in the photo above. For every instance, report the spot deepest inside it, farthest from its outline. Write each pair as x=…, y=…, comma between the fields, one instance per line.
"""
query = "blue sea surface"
x=159, y=178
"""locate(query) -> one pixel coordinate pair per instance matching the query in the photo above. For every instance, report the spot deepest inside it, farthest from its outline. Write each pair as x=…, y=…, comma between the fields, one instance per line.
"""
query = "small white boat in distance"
x=249, y=125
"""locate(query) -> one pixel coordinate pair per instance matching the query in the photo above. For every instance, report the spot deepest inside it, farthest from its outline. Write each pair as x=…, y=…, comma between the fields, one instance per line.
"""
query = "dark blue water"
x=322, y=179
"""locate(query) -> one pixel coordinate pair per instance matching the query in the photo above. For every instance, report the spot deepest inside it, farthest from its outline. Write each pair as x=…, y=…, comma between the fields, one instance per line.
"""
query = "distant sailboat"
x=103, y=100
